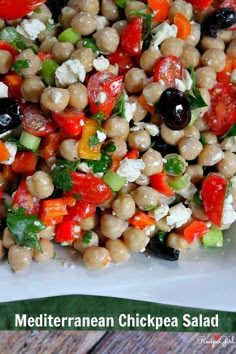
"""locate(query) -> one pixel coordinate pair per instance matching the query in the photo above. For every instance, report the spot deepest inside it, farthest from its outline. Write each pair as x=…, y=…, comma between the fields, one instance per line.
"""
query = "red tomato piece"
x=70, y=120
x=229, y=3
x=23, y=198
x=8, y=47
x=67, y=231
x=222, y=111
x=43, y=56
x=195, y=230
x=168, y=69
x=91, y=188
x=36, y=123
x=124, y=60
x=12, y=9
x=13, y=81
x=200, y=5
x=159, y=182
x=213, y=196
x=81, y=210
x=103, y=82
x=131, y=37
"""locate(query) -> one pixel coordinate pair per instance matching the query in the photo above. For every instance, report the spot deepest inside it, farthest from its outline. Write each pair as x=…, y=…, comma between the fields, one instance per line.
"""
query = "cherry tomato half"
x=70, y=120
x=12, y=9
x=131, y=37
x=221, y=114
x=168, y=69
x=26, y=200
x=36, y=123
x=124, y=60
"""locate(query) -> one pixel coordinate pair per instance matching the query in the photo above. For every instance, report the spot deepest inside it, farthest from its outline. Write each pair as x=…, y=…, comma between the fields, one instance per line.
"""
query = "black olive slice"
x=10, y=114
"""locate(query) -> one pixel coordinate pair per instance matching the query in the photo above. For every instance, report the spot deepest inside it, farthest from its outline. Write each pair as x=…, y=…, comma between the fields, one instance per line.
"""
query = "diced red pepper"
x=131, y=37
x=124, y=60
x=200, y=5
x=160, y=7
x=26, y=200
x=52, y=211
x=43, y=56
x=159, y=182
x=81, y=210
x=141, y=220
x=4, y=152
x=25, y=162
x=7, y=46
x=13, y=81
x=132, y=154
x=195, y=230
x=70, y=120
x=49, y=145
x=67, y=231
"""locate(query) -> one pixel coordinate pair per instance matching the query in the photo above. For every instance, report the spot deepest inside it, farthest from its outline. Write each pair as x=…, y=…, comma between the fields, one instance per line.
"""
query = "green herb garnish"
x=197, y=199
x=99, y=117
x=87, y=237
x=203, y=140
x=119, y=109
x=11, y=36
x=24, y=228
x=195, y=100
x=101, y=165
x=174, y=165
x=37, y=11
x=161, y=235
x=90, y=43
x=93, y=140
x=19, y=65
x=61, y=174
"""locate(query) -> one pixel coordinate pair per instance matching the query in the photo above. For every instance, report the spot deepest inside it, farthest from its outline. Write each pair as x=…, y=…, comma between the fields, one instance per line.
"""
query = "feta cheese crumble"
x=101, y=22
x=229, y=214
x=3, y=90
x=130, y=169
x=56, y=96
x=101, y=63
x=101, y=97
x=101, y=136
x=30, y=29
x=178, y=215
x=70, y=72
x=151, y=128
x=160, y=212
x=162, y=32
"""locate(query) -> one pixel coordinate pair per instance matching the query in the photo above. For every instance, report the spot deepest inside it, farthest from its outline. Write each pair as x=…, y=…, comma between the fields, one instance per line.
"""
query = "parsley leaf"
x=99, y=117
x=37, y=11
x=87, y=237
x=61, y=174
x=197, y=199
x=93, y=140
x=195, y=100
x=110, y=147
x=121, y=3
x=19, y=65
x=161, y=235
x=174, y=165
x=203, y=140
x=77, y=196
x=90, y=43
x=101, y=165
x=230, y=132
x=24, y=228
x=150, y=207
x=119, y=109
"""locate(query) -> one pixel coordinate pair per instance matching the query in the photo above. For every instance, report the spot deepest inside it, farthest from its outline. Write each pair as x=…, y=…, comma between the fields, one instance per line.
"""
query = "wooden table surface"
x=91, y=342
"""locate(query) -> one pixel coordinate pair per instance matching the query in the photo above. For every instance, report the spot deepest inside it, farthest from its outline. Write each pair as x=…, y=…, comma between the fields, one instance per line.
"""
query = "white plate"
x=203, y=278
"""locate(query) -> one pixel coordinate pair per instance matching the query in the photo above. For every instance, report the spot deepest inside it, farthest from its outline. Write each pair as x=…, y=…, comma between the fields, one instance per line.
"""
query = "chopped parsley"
x=77, y=196
x=24, y=228
x=93, y=140
x=101, y=165
x=99, y=117
x=197, y=199
x=110, y=147
x=230, y=132
x=119, y=109
x=203, y=140
x=37, y=11
x=61, y=174
x=161, y=235
x=147, y=15
x=150, y=207
x=90, y=43
x=11, y=36
x=87, y=237
x=195, y=100
x=19, y=65
x=174, y=165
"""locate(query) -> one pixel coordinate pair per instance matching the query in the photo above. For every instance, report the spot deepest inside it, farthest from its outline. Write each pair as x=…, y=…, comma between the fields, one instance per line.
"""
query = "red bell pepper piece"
x=195, y=230
x=43, y=56
x=25, y=162
x=70, y=120
x=67, y=231
x=131, y=37
x=81, y=210
x=132, y=154
x=124, y=61
x=213, y=196
x=200, y=5
x=52, y=211
x=4, y=152
x=11, y=9
x=91, y=188
x=26, y=200
x=13, y=81
x=49, y=145
x=7, y=46
x=141, y=220
x=160, y=7
x=159, y=182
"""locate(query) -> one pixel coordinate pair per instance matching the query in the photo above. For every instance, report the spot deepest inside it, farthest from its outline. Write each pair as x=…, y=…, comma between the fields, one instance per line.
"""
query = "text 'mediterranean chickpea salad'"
x=117, y=128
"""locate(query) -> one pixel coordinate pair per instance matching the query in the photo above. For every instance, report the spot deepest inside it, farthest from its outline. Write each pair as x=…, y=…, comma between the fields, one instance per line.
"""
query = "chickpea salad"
x=117, y=128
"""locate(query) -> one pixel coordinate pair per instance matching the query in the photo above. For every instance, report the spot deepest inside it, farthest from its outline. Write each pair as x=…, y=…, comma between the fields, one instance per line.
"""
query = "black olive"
x=10, y=114
x=164, y=148
x=174, y=108
x=56, y=6
x=219, y=19
x=158, y=248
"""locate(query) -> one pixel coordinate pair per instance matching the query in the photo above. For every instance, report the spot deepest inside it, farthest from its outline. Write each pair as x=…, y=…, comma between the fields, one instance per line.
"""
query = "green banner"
x=75, y=312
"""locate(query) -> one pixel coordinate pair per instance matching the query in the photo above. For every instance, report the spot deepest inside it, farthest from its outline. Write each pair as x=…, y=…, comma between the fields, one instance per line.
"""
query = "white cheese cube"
x=70, y=72
x=30, y=29
x=130, y=169
x=178, y=215
x=162, y=32
x=101, y=63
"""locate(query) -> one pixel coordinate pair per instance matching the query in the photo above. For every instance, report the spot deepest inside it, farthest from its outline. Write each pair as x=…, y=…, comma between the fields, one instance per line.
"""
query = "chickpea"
x=180, y=6
x=225, y=35
x=209, y=137
x=121, y=148
x=139, y=140
x=2, y=250
x=177, y=241
x=68, y=149
x=142, y=180
x=195, y=35
x=47, y=251
x=190, y=57
x=170, y=136
x=212, y=43
x=54, y=99
x=118, y=251
x=43, y=15
x=132, y=6
x=107, y=39
x=31, y=89
x=2, y=24
x=152, y=92
x=191, y=132
x=145, y=197
x=6, y=61
x=96, y=257
x=153, y=162
x=40, y=184
x=19, y=257
x=110, y=10
x=189, y=148
x=214, y=58
x=80, y=246
x=91, y=6
x=198, y=212
x=127, y=188
x=124, y=206
x=78, y=96
x=34, y=62
x=47, y=233
x=48, y=44
x=86, y=57
x=48, y=33
x=62, y=51
x=201, y=124
x=135, y=239
x=89, y=223
x=135, y=80
x=7, y=240
x=231, y=50
x=205, y=77
x=227, y=166
x=229, y=143
x=210, y=155
x=195, y=172
x=116, y=127
x=172, y=46
x=84, y=23
x=148, y=59
x=112, y=227
x=67, y=13
x=139, y=112
x=120, y=26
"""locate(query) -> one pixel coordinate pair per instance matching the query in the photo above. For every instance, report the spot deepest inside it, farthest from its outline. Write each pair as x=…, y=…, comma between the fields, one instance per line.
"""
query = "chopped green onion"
x=49, y=66
x=69, y=35
x=90, y=43
x=30, y=141
x=114, y=181
x=213, y=238
x=174, y=165
x=178, y=183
